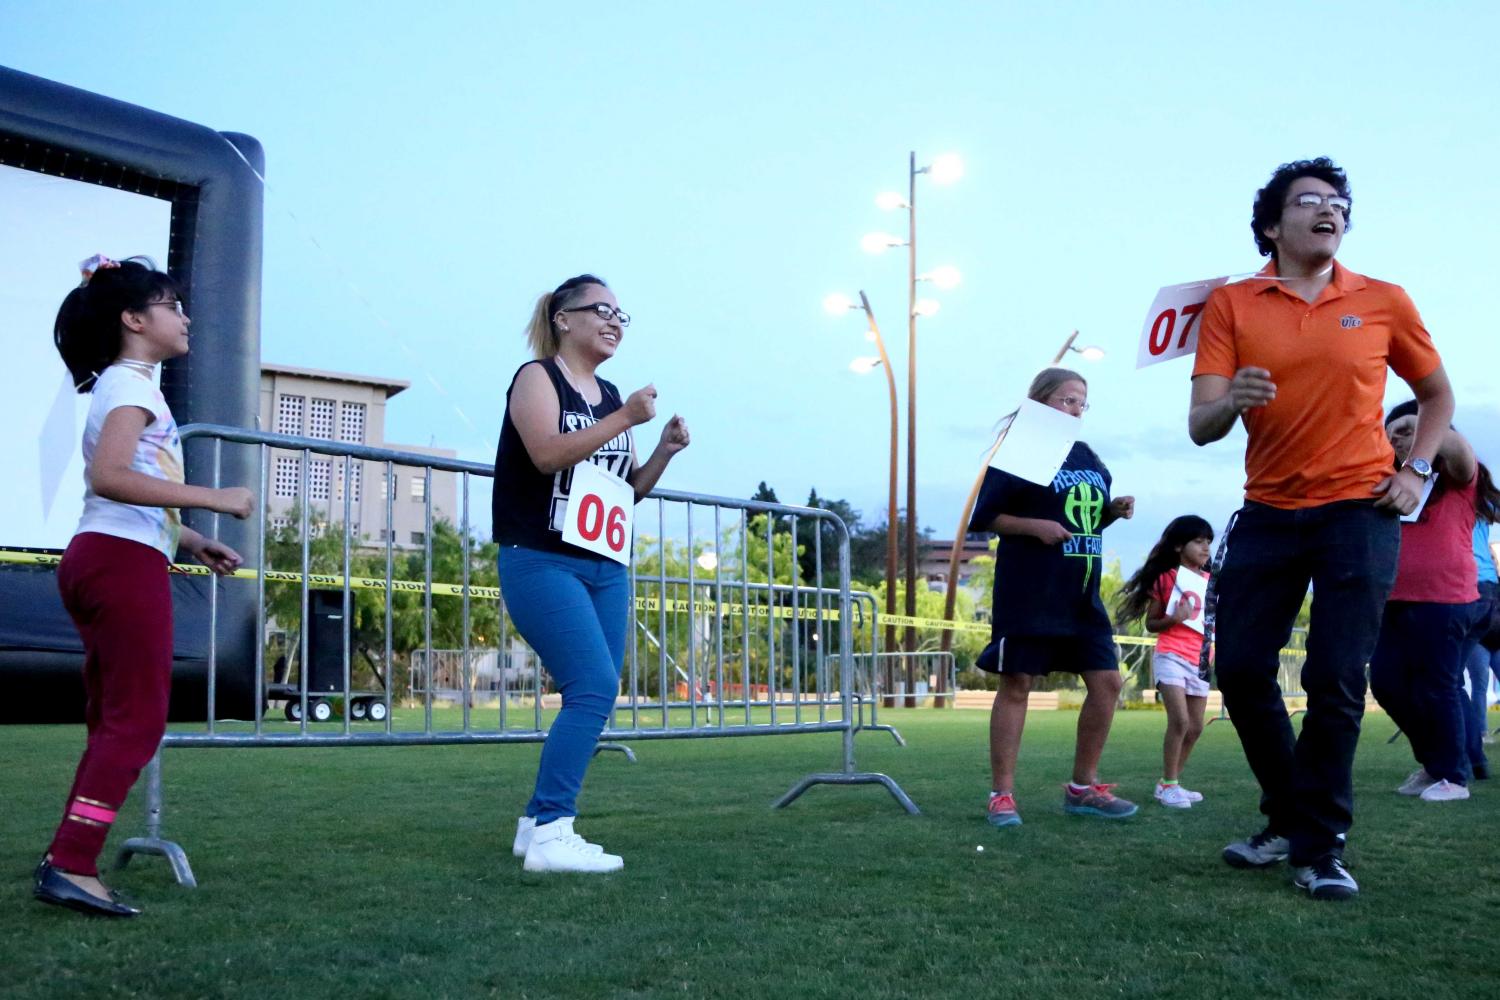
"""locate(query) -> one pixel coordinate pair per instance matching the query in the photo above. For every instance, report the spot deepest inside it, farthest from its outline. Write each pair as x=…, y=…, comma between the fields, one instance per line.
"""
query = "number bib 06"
x=601, y=509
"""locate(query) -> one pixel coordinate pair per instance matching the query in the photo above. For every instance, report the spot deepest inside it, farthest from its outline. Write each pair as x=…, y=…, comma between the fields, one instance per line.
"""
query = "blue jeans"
x=1417, y=675
x=573, y=610
x=1347, y=550
x=1479, y=663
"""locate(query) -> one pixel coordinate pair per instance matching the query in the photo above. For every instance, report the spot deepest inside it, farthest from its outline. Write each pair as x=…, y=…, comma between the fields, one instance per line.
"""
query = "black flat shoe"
x=52, y=887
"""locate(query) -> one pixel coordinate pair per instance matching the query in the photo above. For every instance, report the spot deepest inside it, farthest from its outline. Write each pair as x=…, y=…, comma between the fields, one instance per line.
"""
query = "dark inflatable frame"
x=215, y=252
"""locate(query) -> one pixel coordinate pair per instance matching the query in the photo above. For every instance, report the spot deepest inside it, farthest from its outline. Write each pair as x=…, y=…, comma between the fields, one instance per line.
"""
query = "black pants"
x=1347, y=551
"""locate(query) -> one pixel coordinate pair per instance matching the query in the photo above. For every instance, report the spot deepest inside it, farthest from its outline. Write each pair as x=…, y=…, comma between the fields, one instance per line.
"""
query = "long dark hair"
x=1135, y=596
x=87, y=331
x=1486, y=496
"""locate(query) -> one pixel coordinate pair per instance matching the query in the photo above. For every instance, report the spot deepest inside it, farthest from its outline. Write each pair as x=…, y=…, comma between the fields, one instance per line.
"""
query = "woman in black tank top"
x=571, y=604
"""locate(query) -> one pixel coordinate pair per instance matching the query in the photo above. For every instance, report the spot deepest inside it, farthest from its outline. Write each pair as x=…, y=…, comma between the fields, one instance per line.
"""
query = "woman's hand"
x=1122, y=507
x=675, y=436
x=640, y=406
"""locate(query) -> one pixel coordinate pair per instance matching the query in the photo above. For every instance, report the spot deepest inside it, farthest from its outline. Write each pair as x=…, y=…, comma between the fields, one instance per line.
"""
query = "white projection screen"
x=84, y=174
x=50, y=225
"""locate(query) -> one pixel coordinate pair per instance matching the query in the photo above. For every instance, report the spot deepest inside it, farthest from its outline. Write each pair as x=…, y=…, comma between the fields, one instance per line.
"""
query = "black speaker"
x=325, y=641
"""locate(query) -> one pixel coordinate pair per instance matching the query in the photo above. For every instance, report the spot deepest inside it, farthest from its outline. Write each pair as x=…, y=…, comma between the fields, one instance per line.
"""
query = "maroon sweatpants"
x=119, y=597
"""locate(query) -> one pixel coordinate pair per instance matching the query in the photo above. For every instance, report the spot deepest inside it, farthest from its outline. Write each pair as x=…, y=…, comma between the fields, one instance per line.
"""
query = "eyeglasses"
x=170, y=303
x=604, y=311
x=1311, y=199
x=1073, y=401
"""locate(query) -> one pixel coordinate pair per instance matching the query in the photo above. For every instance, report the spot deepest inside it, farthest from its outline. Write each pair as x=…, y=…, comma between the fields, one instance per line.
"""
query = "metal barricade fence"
x=873, y=672
x=733, y=631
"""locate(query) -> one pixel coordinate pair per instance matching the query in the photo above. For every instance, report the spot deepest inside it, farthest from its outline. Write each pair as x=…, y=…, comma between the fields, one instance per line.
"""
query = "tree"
x=764, y=494
x=408, y=629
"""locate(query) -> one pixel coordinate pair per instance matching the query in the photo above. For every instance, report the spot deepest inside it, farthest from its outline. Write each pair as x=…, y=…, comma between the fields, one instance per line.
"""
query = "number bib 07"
x=1171, y=329
x=600, y=513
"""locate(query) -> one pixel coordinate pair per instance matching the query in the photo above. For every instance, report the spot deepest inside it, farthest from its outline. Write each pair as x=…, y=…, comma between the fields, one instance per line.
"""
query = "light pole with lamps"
x=944, y=170
x=835, y=304
x=1088, y=354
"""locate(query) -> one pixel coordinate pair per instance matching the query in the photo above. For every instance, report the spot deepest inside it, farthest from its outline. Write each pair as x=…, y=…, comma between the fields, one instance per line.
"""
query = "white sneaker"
x=524, y=826
x=1192, y=796
x=1445, y=791
x=556, y=848
x=1174, y=797
x=1416, y=783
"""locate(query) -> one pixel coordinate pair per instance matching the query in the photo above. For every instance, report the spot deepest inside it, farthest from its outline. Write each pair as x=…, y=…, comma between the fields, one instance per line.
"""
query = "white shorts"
x=1169, y=668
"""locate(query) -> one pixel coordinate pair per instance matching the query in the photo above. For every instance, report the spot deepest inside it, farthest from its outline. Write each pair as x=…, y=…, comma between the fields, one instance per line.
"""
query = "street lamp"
x=944, y=170
x=1088, y=354
x=835, y=304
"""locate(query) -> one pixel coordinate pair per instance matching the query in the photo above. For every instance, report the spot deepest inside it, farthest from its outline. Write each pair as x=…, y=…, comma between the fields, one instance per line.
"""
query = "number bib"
x=1171, y=328
x=1192, y=590
x=600, y=513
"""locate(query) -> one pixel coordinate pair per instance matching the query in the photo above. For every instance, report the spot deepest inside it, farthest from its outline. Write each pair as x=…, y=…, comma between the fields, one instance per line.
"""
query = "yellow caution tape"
x=315, y=581
x=326, y=581
x=903, y=621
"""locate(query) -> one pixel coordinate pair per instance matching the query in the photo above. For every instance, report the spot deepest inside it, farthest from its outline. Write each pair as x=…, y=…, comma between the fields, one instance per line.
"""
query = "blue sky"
x=432, y=170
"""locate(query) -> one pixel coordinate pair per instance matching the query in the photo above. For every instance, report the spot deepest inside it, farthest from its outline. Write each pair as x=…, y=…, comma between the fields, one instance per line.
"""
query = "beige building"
x=932, y=562
x=338, y=406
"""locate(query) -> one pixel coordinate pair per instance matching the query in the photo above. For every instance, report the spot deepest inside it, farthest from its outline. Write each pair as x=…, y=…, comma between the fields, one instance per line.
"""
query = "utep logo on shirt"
x=1351, y=322
x=1083, y=506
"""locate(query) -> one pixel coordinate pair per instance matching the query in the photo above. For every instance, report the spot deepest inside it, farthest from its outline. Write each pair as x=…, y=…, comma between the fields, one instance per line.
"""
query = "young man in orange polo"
x=1299, y=354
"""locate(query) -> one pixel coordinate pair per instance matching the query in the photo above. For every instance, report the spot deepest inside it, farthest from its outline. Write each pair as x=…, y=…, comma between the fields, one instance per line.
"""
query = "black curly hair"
x=1271, y=199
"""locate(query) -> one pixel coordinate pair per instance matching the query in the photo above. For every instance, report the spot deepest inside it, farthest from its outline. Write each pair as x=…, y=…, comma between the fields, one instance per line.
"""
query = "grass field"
x=387, y=873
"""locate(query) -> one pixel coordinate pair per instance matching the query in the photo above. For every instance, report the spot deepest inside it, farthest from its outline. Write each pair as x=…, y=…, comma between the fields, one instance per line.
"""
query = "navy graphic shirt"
x=528, y=505
x=1049, y=589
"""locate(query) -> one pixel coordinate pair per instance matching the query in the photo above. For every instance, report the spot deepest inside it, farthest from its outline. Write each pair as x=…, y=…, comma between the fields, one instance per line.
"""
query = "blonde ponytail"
x=541, y=334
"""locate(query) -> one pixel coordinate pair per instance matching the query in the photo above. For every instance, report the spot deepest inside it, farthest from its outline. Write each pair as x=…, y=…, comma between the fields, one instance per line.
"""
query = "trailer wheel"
x=358, y=709
x=376, y=711
x=294, y=710
x=321, y=711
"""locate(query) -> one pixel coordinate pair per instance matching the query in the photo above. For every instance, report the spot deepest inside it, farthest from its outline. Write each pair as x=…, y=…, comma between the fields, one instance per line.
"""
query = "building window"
x=386, y=483
x=418, y=488
x=320, y=419
x=280, y=523
x=289, y=414
x=317, y=474
x=419, y=538
x=352, y=423
x=354, y=478
x=285, y=484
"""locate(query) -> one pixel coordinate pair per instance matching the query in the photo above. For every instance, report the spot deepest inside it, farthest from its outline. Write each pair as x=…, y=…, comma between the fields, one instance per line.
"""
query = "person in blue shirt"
x=1482, y=648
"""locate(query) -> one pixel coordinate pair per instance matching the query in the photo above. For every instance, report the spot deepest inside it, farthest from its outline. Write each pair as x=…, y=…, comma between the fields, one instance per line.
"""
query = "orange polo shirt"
x=1322, y=438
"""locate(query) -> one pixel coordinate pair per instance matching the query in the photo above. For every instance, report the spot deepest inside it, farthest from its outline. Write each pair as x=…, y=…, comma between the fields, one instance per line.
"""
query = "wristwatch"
x=1420, y=466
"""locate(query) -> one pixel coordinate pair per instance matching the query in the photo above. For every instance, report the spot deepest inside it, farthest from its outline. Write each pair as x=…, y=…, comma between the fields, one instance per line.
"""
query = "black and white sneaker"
x=1259, y=851
x=1326, y=878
